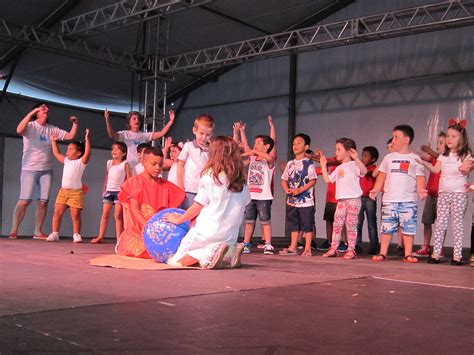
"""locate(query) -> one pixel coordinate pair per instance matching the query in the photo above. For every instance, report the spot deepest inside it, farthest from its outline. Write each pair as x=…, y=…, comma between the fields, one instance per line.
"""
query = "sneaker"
x=53, y=237
x=40, y=236
x=325, y=246
x=247, y=248
x=76, y=238
x=268, y=250
x=342, y=246
x=424, y=251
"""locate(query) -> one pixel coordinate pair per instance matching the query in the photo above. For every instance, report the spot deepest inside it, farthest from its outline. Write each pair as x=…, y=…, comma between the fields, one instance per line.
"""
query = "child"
x=133, y=136
x=402, y=177
x=71, y=194
x=138, y=168
x=219, y=207
x=348, y=192
x=297, y=181
x=452, y=197
x=142, y=196
x=261, y=165
x=369, y=157
x=118, y=171
x=171, y=164
x=193, y=158
x=429, y=212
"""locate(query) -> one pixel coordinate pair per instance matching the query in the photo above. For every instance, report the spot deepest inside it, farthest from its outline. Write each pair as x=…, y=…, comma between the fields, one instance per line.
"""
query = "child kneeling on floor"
x=218, y=207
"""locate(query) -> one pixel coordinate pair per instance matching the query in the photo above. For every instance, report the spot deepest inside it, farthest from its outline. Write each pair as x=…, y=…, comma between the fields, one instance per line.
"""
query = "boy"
x=138, y=168
x=297, y=181
x=402, y=177
x=369, y=157
x=261, y=167
x=142, y=196
x=71, y=194
x=193, y=158
x=429, y=212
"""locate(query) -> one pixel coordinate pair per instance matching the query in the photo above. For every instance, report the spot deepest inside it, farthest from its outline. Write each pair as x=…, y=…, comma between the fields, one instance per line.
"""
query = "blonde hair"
x=205, y=120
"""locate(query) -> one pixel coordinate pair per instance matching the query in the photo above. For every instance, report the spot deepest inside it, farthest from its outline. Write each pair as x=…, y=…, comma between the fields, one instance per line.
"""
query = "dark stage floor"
x=53, y=301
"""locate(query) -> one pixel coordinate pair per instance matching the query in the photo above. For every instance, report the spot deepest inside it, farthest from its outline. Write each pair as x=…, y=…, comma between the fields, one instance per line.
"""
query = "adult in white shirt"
x=133, y=136
x=37, y=164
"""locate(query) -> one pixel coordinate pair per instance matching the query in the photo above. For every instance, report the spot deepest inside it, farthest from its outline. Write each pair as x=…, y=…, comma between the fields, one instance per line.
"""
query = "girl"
x=171, y=164
x=452, y=196
x=219, y=207
x=348, y=192
x=118, y=171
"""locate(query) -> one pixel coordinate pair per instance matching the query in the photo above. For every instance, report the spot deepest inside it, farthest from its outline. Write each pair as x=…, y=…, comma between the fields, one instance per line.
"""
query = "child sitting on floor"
x=219, y=207
x=142, y=196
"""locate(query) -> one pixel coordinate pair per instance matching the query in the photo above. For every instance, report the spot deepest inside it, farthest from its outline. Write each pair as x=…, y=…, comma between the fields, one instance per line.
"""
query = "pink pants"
x=347, y=211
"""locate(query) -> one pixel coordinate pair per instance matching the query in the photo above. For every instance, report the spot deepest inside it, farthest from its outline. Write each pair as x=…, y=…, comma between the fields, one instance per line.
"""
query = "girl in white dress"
x=219, y=209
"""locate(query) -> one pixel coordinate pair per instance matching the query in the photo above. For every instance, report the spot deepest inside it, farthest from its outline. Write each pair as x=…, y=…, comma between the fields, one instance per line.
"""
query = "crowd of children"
x=222, y=181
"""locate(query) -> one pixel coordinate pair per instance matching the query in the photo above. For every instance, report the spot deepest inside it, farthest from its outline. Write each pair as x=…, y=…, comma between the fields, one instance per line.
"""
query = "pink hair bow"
x=457, y=121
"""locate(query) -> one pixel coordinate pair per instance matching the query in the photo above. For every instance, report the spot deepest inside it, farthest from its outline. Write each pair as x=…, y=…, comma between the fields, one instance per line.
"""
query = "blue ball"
x=162, y=238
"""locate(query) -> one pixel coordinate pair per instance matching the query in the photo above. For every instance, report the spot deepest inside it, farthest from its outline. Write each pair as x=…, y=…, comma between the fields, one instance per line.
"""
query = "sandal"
x=97, y=240
x=287, y=251
x=307, y=253
x=12, y=236
x=379, y=257
x=331, y=253
x=42, y=236
x=349, y=255
x=410, y=259
x=219, y=254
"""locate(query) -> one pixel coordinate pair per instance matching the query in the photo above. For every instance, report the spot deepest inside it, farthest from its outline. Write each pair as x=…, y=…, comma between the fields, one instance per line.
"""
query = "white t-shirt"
x=298, y=173
x=259, y=179
x=72, y=174
x=347, y=178
x=138, y=169
x=132, y=140
x=401, y=171
x=37, y=153
x=115, y=175
x=451, y=179
x=173, y=173
x=195, y=158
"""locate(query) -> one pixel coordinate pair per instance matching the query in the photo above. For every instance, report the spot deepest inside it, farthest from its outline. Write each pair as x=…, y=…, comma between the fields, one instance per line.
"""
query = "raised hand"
x=168, y=142
x=242, y=126
x=86, y=136
x=236, y=126
x=54, y=137
x=323, y=161
x=353, y=154
x=106, y=114
x=74, y=119
x=270, y=120
x=172, y=114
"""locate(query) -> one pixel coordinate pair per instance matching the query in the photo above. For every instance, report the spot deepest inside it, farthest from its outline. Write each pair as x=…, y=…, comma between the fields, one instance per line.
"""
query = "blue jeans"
x=30, y=179
x=369, y=207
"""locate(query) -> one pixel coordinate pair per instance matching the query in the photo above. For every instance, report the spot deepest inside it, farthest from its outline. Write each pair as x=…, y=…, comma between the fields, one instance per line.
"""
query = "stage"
x=52, y=300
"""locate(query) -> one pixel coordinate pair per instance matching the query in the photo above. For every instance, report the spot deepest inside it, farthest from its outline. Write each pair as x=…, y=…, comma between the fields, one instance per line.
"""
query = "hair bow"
x=457, y=121
x=181, y=145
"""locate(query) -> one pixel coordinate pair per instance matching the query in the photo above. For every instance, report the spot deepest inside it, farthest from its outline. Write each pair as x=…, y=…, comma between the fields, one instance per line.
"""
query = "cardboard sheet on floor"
x=125, y=262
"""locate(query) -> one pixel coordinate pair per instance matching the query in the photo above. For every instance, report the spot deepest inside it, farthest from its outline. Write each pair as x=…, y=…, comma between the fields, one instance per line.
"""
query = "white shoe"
x=53, y=237
x=76, y=238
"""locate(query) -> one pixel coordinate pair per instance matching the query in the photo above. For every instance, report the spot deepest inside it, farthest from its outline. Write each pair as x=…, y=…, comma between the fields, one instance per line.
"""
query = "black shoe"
x=456, y=262
x=434, y=261
x=359, y=249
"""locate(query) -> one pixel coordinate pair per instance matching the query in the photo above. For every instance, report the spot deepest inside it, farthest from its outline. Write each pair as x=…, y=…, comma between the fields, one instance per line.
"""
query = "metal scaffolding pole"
x=445, y=15
x=156, y=89
x=125, y=13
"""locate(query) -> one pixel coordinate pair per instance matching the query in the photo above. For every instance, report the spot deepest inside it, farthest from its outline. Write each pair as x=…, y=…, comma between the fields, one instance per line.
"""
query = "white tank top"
x=173, y=173
x=115, y=175
x=259, y=179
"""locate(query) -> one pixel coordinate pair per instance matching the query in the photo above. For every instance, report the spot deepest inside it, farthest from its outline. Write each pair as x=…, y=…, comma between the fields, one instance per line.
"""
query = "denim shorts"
x=110, y=197
x=31, y=178
x=300, y=218
x=403, y=214
x=262, y=208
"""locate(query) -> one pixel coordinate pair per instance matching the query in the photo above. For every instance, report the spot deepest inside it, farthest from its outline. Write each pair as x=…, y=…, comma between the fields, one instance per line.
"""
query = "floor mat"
x=125, y=262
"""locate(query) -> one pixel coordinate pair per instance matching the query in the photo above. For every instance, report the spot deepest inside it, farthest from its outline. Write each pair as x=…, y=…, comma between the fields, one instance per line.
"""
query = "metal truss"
x=454, y=13
x=53, y=42
x=125, y=13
